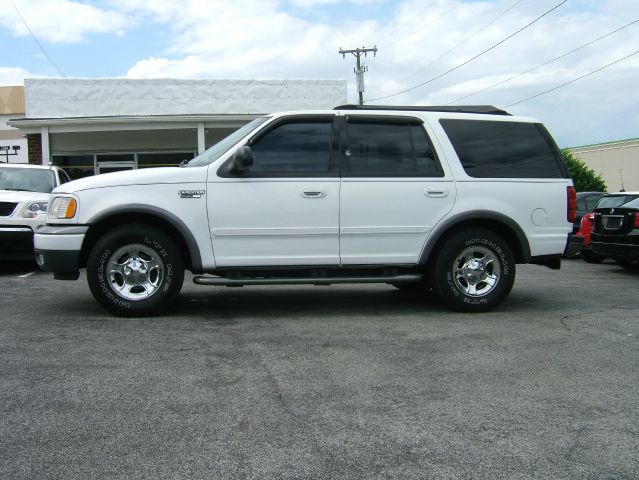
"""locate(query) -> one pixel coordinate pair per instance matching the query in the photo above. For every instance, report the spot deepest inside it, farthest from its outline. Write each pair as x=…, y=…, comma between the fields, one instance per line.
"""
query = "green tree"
x=584, y=178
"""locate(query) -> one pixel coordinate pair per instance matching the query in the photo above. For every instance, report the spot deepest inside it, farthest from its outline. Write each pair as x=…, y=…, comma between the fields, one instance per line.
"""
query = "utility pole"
x=359, y=70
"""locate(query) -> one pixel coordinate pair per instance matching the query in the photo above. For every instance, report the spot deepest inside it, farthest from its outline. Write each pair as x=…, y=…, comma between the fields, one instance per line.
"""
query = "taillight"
x=587, y=220
x=636, y=224
x=571, y=193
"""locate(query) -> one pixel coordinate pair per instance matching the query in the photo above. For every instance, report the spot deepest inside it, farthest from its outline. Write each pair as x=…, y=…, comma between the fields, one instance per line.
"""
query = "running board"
x=238, y=282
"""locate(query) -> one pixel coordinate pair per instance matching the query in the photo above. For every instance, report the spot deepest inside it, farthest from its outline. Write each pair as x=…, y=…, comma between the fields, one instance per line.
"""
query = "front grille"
x=7, y=208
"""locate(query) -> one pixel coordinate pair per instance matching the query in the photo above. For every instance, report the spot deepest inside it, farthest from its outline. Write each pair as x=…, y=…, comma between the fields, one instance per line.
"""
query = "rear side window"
x=389, y=148
x=489, y=149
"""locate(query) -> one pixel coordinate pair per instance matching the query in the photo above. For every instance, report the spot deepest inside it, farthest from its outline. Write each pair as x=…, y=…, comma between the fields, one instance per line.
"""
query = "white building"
x=90, y=126
x=617, y=162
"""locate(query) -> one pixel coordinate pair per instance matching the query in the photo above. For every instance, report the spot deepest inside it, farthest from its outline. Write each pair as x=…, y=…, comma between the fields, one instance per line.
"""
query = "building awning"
x=141, y=122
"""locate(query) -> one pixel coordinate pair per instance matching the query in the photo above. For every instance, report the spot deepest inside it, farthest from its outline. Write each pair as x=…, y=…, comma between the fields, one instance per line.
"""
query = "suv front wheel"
x=473, y=270
x=135, y=270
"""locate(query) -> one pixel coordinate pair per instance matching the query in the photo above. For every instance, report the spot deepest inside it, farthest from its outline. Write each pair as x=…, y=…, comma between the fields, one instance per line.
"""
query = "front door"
x=285, y=209
x=394, y=190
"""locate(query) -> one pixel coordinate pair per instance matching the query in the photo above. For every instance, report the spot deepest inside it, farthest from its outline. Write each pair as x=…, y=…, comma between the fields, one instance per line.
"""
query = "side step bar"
x=238, y=282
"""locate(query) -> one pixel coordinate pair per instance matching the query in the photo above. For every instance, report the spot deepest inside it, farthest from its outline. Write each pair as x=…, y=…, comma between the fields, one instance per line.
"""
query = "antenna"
x=623, y=189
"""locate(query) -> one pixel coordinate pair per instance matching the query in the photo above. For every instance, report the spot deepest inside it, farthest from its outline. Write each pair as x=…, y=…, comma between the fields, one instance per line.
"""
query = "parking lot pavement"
x=323, y=382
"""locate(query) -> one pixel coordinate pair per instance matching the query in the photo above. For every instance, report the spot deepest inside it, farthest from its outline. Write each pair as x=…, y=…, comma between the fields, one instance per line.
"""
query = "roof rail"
x=480, y=109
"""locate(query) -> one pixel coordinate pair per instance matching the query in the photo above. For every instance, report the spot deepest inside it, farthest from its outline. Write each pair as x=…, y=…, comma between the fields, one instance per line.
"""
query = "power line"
x=573, y=80
x=543, y=64
x=436, y=19
x=465, y=40
x=473, y=58
x=402, y=10
x=36, y=40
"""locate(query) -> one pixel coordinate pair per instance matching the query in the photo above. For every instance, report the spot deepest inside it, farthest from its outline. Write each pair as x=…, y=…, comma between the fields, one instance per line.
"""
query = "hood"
x=147, y=176
x=21, y=197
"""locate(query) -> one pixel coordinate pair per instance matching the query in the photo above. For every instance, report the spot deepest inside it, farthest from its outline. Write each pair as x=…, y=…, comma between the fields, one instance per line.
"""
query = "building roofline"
x=613, y=142
x=26, y=121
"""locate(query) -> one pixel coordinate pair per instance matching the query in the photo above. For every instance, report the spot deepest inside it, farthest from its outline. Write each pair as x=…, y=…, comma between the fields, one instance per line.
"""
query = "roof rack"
x=480, y=109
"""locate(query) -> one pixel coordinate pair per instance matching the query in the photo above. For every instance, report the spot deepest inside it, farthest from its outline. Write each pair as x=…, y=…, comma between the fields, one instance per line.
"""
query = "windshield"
x=223, y=146
x=632, y=204
x=614, y=201
x=26, y=180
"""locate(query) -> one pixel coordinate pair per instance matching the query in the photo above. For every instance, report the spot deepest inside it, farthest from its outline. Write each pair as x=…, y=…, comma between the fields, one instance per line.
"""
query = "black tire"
x=473, y=270
x=590, y=257
x=144, y=255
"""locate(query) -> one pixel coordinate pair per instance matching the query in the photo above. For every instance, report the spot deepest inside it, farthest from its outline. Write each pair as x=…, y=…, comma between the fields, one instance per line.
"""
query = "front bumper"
x=16, y=242
x=573, y=245
x=57, y=250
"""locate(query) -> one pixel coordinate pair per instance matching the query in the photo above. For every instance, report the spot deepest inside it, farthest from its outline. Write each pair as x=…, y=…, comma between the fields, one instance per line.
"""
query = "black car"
x=616, y=233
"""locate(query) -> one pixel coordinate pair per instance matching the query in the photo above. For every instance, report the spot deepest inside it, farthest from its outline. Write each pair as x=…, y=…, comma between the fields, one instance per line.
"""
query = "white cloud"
x=266, y=39
x=60, y=21
x=14, y=76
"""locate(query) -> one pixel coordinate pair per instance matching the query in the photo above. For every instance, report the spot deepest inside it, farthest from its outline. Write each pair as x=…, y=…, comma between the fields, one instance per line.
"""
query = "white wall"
x=613, y=161
x=68, y=97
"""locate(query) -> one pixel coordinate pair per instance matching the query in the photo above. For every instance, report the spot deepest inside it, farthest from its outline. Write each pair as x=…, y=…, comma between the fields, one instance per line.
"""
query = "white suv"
x=24, y=194
x=416, y=197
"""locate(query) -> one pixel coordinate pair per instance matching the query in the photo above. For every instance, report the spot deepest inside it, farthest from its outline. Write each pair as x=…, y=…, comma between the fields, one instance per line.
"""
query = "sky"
x=430, y=52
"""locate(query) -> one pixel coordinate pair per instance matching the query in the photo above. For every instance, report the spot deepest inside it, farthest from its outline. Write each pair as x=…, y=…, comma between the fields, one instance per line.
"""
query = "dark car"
x=586, y=202
x=579, y=241
x=616, y=233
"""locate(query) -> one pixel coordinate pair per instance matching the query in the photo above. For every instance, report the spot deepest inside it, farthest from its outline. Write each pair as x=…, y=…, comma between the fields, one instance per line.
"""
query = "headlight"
x=63, y=208
x=34, y=209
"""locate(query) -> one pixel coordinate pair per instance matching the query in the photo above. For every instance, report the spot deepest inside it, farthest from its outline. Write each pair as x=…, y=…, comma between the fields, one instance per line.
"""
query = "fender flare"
x=170, y=218
x=476, y=216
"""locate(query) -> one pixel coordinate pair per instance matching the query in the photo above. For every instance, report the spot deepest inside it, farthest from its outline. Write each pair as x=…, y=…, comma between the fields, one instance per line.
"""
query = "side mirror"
x=243, y=158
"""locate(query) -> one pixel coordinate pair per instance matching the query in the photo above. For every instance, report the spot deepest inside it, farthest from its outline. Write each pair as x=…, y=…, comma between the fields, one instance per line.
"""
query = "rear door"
x=394, y=189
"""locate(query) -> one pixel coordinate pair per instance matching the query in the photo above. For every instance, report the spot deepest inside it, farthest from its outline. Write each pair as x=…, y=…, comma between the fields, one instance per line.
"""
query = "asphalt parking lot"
x=323, y=382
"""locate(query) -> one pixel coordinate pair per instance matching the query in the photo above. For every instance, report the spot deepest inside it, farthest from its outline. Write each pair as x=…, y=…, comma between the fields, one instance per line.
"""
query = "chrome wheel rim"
x=135, y=272
x=476, y=271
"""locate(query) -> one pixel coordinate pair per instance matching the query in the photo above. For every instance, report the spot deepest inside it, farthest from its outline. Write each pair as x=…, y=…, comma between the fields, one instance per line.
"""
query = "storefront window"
x=149, y=160
x=77, y=166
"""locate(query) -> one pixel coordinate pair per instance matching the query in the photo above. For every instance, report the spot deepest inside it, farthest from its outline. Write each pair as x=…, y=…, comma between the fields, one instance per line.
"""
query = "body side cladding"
x=173, y=220
x=522, y=252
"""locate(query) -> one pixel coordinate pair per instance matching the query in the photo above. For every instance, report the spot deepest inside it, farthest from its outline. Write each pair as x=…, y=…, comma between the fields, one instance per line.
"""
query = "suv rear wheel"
x=473, y=270
x=135, y=270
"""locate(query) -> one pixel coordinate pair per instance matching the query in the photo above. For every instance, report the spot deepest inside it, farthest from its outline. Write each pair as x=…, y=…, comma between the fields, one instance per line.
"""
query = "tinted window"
x=390, y=149
x=581, y=203
x=302, y=146
x=591, y=201
x=77, y=166
x=490, y=149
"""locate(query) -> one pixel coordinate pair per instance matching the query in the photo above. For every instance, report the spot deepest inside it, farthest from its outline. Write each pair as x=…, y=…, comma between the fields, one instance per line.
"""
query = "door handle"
x=436, y=192
x=313, y=192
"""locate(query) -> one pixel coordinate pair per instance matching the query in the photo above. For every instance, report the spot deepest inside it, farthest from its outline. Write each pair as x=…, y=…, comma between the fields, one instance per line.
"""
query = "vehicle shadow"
x=13, y=267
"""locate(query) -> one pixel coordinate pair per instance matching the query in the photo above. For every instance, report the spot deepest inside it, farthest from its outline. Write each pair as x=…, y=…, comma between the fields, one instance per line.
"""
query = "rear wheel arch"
x=498, y=223
x=145, y=215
